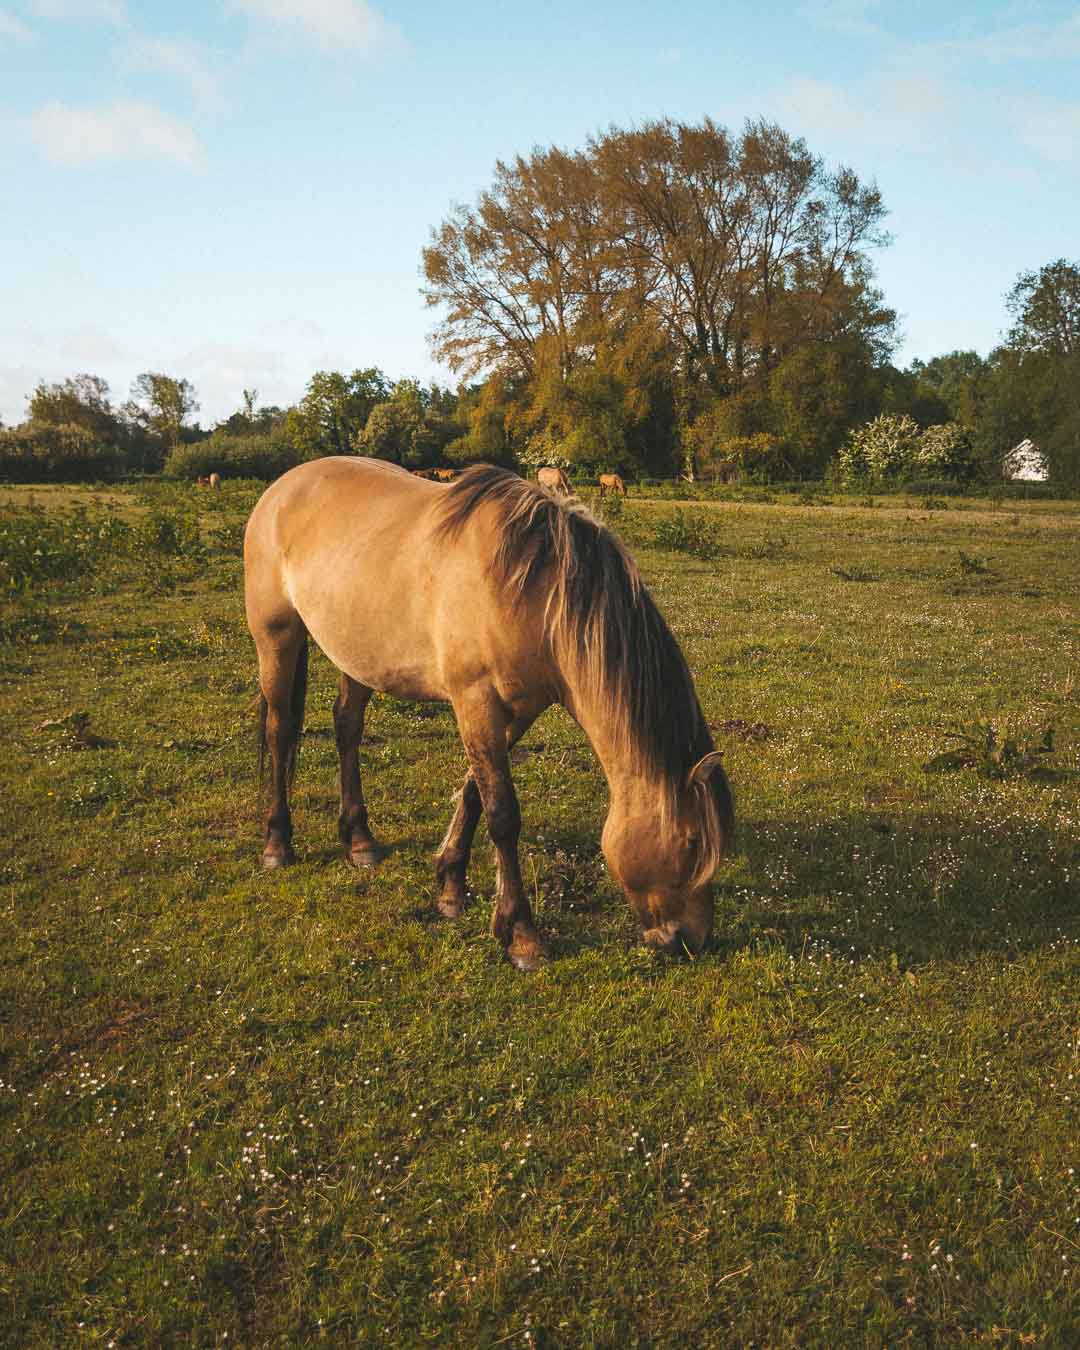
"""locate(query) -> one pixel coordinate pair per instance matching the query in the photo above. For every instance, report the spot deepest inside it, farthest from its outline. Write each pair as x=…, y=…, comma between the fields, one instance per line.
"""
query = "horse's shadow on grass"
x=924, y=886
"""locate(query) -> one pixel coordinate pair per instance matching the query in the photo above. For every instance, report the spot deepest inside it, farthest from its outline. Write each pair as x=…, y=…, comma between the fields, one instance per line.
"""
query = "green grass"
x=297, y=1108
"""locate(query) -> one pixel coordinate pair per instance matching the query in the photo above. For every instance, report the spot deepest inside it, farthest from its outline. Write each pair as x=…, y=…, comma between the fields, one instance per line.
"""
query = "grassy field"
x=297, y=1108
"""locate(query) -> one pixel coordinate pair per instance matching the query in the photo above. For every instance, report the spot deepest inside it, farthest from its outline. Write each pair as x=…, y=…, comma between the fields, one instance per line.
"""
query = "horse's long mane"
x=610, y=640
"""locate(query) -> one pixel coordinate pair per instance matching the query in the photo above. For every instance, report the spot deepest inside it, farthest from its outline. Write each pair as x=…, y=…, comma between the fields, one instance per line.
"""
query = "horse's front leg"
x=349, y=708
x=486, y=731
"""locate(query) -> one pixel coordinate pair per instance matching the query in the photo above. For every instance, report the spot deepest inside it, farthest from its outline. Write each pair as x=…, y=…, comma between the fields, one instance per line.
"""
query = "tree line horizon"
x=671, y=300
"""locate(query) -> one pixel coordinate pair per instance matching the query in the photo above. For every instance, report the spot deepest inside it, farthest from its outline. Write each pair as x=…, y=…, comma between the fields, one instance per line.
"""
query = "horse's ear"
x=704, y=768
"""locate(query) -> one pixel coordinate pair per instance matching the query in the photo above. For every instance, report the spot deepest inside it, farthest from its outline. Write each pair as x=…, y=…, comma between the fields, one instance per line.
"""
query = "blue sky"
x=238, y=191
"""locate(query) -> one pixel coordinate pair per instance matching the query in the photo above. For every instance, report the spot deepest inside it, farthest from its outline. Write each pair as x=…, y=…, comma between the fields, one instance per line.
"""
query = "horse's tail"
x=296, y=714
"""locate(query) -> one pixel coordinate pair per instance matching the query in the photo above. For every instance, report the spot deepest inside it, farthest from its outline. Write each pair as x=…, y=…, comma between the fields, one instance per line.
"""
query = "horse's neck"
x=628, y=783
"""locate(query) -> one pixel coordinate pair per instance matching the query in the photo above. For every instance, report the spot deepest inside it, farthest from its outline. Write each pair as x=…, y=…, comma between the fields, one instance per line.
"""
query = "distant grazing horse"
x=611, y=482
x=444, y=475
x=552, y=479
x=502, y=600
x=202, y=482
x=422, y=473
x=215, y=481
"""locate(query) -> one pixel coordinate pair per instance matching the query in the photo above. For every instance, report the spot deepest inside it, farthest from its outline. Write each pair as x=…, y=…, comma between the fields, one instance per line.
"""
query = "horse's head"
x=665, y=860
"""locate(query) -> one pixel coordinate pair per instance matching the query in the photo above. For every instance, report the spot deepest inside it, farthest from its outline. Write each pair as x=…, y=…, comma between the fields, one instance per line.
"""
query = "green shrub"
x=169, y=535
x=945, y=451
x=37, y=547
x=37, y=453
x=263, y=457
x=690, y=532
x=932, y=487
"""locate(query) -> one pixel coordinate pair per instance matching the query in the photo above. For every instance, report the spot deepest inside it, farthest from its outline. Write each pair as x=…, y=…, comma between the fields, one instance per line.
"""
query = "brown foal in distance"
x=553, y=479
x=611, y=482
x=502, y=600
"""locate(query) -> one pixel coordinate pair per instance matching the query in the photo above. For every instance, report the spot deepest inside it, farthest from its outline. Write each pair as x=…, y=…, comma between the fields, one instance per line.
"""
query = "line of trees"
x=664, y=287
x=672, y=299
x=677, y=298
x=73, y=430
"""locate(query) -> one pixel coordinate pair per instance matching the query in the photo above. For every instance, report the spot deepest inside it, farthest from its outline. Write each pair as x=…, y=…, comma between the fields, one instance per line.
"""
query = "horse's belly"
x=376, y=633
x=390, y=668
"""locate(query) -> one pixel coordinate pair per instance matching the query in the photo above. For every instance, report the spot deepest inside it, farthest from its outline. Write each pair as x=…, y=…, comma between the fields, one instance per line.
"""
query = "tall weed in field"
x=702, y=536
x=983, y=748
x=38, y=548
x=690, y=532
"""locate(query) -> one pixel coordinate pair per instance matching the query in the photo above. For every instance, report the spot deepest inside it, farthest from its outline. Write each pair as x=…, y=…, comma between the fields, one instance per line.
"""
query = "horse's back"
x=332, y=488
x=352, y=547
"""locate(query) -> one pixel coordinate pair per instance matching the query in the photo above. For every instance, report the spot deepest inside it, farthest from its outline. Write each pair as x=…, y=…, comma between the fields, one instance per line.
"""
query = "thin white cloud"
x=178, y=58
x=16, y=385
x=910, y=112
x=842, y=16
x=1039, y=42
x=12, y=29
x=92, y=345
x=326, y=23
x=232, y=361
x=221, y=371
x=818, y=109
x=1051, y=128
x=989, y=38
x=107, y=11
x=914, y=110
x=129, y=129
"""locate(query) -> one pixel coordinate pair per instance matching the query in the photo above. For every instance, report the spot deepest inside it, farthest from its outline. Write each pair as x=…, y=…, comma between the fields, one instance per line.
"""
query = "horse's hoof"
x=368, y=856
x=450, y=906
x=272, y=861
x=526, y=956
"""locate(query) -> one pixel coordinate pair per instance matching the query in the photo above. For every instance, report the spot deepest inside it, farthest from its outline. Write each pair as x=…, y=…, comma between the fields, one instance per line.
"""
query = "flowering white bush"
x=541, y=450
x=881, y=450
x=944, y=452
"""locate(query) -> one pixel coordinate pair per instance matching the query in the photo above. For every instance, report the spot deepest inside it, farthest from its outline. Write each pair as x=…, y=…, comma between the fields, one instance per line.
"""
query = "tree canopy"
x=626, y=287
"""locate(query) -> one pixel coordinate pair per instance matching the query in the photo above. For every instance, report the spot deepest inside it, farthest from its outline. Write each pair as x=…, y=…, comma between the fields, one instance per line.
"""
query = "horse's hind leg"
x=452, y=860
x=349, y=708
x=283, y=681
x=486, y=731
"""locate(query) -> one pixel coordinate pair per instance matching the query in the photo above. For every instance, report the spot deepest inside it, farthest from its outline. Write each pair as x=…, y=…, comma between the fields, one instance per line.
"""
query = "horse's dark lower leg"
x=452, y=860
x=349, y=708
x=512, y=922
x=488, y=729
x=283, y=676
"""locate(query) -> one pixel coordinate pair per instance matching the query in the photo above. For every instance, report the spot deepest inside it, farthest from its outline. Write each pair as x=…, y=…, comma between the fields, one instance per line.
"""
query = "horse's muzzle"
x=670, y=939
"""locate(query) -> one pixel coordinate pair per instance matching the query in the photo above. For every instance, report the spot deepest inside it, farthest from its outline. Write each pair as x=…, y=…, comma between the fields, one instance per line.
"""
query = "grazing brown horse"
x=445, y=475
x=202, y=482
x=611, y=482
x=502, y=600
x=553, y=479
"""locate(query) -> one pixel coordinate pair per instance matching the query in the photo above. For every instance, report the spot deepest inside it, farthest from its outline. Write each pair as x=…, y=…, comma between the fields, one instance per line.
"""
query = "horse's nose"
x=669, y=939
